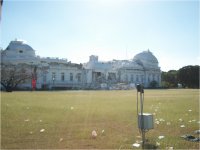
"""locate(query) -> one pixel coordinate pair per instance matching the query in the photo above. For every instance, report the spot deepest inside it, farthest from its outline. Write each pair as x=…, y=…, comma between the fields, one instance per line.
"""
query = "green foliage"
x=169, y=79
x=153, y=84
x=188, y=76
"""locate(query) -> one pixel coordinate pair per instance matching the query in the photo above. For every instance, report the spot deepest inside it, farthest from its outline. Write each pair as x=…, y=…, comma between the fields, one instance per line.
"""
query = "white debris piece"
x=136, y=145
x=182, y=126
x=157, y=122
x=31, y=132
x=40, y=120
x=42, y=130
x=26, y=120
x=161, y=137
x=198, y=122
x=189, y=110
x=180, y=119
x=190, y=121
x=94, y=134
x=168, y=123
x=161, y=120
x=61, y=139
x=102, y=131
x=71, y=108
x=169, y=148
x=157, y=144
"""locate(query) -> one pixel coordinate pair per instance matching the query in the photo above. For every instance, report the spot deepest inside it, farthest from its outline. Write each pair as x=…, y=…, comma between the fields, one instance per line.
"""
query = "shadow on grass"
x=149, y=146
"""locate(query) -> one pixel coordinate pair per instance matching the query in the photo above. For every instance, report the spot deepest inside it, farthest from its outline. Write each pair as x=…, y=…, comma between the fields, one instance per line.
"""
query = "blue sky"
x=111, y=29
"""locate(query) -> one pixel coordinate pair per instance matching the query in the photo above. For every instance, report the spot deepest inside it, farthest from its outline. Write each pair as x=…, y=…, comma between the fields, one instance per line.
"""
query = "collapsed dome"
x=147, y=59
x=19, y=47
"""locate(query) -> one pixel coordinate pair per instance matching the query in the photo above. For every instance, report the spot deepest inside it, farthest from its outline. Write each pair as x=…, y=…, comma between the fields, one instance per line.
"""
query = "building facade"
x=55, y=73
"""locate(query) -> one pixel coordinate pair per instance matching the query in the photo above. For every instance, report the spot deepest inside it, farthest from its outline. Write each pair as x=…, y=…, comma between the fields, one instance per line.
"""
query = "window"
x=53, y=76
x=71, y=76
x=62, y=76
x=132, y=78
x=20, y=51
x=137, y=79
x=79, y=77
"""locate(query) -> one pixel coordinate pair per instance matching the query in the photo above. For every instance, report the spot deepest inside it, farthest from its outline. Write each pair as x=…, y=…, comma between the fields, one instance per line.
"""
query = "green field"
x=69, y=117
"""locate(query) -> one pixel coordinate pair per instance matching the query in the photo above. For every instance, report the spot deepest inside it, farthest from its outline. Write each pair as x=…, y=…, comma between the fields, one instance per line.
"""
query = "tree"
x=153, y=84
x=169, y=79
x=12, y=75
x=188, y=76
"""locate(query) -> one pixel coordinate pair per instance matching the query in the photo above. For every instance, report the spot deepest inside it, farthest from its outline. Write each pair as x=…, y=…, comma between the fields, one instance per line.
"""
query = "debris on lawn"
x=197, y=132
x=157, y=122
x=31, y=132
x=138, y=136
x=157, y=144
x=168, y=123
x=94, y=134
x=26, y=120
x=102, y=131
x=190, y=138
x=42, y=130
x=136, y=145
x=40, y=120
x=61, y=139
x=161, y=137
x=71, y=108
x=189, y=110
x=180, y=120
x=169, y=148
x=182, y=126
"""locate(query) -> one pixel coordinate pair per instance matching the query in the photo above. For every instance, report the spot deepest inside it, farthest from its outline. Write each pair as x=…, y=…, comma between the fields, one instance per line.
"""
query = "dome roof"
x=19, y=45
x=146, y=56
x=146, y=59
x=19, y=49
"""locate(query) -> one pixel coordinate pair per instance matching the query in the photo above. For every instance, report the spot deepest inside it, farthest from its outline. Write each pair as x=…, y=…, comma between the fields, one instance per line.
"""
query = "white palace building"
x=55, y=73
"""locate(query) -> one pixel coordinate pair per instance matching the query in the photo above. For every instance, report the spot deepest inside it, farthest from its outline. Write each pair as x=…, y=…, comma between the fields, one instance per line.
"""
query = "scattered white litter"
x=193, y=120
x=31, y=132
x=161, y=137
x=71, y=108
x=182, y=126
x=190, y=121
x=161, y=120
x=157, y=144
x=198, y=122
x=61, y=139
x=136, y=145
x=102, y=131
x=180, y=119
x=138, y=136
x=154, y=114
x=42, y=130
x=168, y=123
x=40, y=120
x=189, y=110
x=169, y=148
x=157, y=122
x=197, y=132
x=26, y=120
x=94, y=134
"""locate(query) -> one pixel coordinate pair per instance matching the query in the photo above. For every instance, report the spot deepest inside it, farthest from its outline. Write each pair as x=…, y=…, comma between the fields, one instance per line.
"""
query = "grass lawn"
x=69, y=117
